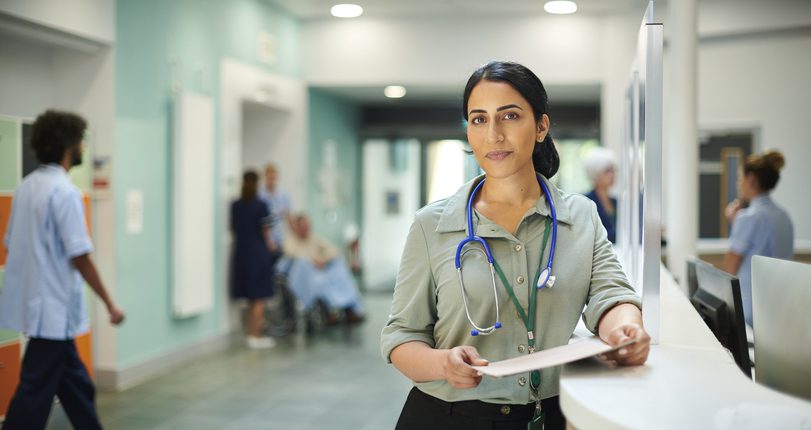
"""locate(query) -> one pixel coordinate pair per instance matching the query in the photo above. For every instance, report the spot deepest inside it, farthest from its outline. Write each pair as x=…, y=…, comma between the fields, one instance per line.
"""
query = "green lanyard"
x=528, y=317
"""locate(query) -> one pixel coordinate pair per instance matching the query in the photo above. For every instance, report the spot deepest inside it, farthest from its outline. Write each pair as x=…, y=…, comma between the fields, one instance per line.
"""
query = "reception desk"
x=689, y=381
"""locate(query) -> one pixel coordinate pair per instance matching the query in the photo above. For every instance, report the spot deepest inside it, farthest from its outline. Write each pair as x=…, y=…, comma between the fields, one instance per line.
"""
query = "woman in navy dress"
x=252, y=264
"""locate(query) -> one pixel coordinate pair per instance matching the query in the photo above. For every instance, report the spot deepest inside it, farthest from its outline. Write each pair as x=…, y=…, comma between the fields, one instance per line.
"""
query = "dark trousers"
x=52, y=368
x=424, y=412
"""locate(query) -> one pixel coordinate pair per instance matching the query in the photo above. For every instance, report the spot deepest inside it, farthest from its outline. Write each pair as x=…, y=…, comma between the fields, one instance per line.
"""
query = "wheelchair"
x=284, y=313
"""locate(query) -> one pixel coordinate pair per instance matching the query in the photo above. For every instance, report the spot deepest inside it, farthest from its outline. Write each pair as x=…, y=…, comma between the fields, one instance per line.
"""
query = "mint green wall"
x=332, y=118
x=158, y=44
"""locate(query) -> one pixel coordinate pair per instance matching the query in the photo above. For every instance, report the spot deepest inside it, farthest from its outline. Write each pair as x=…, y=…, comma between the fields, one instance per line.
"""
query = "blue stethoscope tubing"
x=545, y=279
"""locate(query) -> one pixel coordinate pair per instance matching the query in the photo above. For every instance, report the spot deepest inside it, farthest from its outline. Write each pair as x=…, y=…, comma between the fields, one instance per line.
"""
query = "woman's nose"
x=494, y=134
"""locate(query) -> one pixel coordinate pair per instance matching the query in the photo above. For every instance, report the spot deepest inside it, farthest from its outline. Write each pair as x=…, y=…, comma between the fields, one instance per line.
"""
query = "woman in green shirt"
x=428, y=335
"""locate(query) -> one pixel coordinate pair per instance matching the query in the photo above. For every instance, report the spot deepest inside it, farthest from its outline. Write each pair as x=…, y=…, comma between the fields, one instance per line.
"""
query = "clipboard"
x=556, y=356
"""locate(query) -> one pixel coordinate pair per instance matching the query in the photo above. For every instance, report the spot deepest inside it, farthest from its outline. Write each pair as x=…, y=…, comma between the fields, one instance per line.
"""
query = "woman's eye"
x=510, y=115
x=477, y=120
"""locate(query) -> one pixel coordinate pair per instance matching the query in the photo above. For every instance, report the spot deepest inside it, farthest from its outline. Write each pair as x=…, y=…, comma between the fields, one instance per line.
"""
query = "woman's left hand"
x=634, y=354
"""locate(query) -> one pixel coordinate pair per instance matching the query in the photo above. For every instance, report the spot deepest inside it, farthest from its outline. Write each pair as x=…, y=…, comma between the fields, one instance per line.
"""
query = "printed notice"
x=135, y=211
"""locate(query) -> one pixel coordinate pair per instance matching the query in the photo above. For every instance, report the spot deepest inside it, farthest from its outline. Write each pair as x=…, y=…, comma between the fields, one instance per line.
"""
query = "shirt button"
x=519, y=279
x=518, y=247
x=505, y=410
x=521, y=348
x=522, y=381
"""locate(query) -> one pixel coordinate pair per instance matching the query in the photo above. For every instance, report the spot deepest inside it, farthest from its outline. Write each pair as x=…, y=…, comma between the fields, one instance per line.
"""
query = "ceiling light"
x=560, y=7
x=394, y=91
x=346, y=11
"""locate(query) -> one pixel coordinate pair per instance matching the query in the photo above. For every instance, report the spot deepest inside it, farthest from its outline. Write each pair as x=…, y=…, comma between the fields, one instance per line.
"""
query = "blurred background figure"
x=317, y=272
x=600, y=164
x=762, y=228
x=253, y=257
x=278, y=202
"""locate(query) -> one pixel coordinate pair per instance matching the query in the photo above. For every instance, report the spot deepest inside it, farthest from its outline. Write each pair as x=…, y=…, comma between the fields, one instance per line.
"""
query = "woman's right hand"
x=457, y=370
x=732, y=210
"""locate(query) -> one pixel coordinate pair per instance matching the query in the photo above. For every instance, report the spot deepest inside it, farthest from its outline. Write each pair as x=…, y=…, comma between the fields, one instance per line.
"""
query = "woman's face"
x=606, y=179
x=747, y=185
x=501, y=129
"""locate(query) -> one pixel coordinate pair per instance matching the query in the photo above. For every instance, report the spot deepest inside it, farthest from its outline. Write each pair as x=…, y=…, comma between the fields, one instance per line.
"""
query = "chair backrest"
x=781, y=313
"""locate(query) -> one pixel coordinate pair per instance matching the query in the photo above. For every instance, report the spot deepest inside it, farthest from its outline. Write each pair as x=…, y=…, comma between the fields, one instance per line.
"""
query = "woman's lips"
x=498, y=155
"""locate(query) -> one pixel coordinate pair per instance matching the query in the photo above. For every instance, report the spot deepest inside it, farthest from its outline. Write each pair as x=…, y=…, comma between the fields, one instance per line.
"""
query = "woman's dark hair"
x=54, y=132
x=766, y=168
x=545, y=157
x=250, y=185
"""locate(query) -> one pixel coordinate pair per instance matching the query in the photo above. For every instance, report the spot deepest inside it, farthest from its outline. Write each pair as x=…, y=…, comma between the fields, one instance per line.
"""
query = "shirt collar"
x=454, y=217
x=760, y=200
x=54, y=168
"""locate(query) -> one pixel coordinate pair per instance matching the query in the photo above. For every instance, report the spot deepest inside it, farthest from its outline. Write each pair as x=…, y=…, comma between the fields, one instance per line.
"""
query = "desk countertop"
x=689, y=381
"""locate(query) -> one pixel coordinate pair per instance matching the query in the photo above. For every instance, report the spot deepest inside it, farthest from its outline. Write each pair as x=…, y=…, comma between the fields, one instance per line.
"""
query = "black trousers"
x=424, y=412
x=52, y=368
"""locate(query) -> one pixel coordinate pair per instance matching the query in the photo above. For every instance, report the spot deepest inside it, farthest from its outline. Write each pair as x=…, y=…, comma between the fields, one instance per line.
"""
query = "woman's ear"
x=542, y=128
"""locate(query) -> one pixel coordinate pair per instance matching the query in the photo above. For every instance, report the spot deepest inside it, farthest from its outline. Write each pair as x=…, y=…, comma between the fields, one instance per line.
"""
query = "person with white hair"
x=600, y=164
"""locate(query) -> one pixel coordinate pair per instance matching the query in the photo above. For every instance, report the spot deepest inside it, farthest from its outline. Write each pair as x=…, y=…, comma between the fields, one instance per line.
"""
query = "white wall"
x=89, y=19
x=561, y=50
x=384, y=234
x=25, y=78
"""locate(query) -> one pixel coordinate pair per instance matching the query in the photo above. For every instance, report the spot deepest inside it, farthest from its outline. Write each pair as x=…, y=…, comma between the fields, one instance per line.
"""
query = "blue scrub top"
x=43, y=293
x=278, y=204
x=761, y=229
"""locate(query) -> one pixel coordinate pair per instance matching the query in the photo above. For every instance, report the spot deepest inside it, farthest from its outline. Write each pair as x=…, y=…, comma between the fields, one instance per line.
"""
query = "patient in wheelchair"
x=318, y=272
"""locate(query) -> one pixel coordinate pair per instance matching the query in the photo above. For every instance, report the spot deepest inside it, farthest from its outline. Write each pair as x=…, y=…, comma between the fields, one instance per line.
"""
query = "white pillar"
x=681, y=135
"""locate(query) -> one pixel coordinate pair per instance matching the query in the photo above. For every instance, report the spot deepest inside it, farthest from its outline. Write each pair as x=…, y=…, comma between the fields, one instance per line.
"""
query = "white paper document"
x=549, y=357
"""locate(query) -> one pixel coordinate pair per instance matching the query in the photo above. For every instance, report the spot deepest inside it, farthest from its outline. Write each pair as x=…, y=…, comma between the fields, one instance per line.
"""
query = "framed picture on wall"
x=392, y=202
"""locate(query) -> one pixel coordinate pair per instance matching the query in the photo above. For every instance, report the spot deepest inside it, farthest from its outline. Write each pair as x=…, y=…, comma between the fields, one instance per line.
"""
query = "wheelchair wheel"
x=317, y=317
x=280, y=313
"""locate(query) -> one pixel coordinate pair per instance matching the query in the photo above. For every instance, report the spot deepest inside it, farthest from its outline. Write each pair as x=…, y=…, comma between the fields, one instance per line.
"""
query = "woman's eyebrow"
x=508, y=107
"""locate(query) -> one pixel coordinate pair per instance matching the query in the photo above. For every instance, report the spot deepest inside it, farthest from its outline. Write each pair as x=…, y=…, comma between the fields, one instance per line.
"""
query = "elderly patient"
x=318, y=272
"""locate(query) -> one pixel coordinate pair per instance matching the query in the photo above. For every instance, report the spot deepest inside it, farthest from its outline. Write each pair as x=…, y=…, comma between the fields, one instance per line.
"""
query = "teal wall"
x=158, y=44
x=332, y=118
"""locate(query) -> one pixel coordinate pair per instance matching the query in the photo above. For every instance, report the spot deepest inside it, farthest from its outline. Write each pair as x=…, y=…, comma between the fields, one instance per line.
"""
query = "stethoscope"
x=545, y=279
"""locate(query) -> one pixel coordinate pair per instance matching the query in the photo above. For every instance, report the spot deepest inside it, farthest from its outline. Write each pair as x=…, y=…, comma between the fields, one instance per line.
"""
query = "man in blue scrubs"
x=43, y=293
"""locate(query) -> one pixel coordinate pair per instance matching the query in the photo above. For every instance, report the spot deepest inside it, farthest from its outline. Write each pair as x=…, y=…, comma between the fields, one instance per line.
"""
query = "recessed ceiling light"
x=346, y=10
x=560, y=7
x=394, y=91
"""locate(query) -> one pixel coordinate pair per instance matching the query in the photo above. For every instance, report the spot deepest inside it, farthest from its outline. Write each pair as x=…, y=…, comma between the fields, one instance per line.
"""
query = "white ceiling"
x=319, y=9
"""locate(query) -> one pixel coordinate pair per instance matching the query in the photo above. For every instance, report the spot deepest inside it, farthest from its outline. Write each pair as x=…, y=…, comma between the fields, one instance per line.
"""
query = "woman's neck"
x=514, y=190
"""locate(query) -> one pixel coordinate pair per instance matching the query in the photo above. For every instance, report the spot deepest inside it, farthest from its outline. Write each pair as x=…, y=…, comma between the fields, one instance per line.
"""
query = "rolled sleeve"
x=70, y=223
x=609, y=285
x=413, y=308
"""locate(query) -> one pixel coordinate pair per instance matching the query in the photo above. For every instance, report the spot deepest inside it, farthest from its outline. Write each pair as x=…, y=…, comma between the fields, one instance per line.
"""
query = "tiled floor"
x=333, y=380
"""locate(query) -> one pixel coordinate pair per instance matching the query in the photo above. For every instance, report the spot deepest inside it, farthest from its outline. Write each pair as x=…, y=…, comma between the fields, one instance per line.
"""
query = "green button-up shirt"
x=427, y=304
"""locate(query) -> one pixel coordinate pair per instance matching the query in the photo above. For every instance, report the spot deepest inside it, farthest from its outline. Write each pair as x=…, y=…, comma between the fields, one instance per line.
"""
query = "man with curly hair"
x=43, y=293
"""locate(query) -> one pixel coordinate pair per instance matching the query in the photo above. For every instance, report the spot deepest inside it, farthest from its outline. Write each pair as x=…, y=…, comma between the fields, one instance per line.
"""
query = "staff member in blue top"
x=43, y=294
x=763, y=228
x=450, y=311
